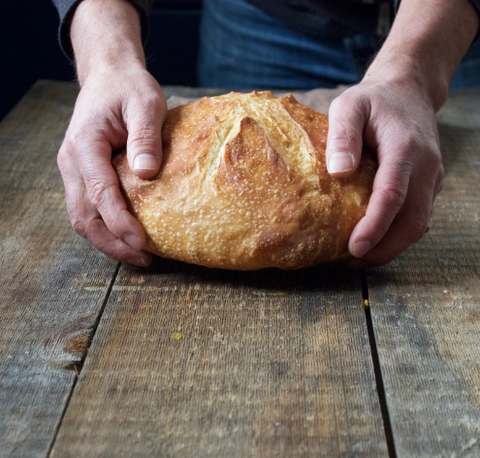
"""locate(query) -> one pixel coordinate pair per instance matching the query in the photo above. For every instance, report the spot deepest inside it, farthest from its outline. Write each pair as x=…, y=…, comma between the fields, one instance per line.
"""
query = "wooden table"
x=99, y=359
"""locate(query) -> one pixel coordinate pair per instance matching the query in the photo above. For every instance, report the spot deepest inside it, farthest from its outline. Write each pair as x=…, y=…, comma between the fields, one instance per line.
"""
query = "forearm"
x=106, y=34
x=427, y=42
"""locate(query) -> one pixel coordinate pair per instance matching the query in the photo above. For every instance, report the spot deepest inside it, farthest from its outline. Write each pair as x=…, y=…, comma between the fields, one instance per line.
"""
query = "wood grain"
x=426, y=308
x=52, y=284
x=189, y=361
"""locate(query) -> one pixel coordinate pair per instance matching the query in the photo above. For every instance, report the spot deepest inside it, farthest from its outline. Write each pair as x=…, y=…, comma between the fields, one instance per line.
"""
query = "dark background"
x=29, y=48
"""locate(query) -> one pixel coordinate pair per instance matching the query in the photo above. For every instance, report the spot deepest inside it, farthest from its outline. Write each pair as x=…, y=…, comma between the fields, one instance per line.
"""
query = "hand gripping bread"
x=244, y=185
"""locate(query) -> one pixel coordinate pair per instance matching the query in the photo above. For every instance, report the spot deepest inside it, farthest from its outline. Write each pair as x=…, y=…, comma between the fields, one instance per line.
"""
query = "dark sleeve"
x=66, y=9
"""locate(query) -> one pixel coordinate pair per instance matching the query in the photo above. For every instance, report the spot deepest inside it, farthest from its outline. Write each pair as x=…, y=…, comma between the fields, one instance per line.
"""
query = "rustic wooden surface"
x=195, y=362
x=426, y=307
x=187, y=361
x=52, y=284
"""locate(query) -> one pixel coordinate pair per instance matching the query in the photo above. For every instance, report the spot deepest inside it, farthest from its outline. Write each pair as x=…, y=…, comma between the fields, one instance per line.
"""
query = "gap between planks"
x=382, y=398
x=77, y=367
x=373, y=349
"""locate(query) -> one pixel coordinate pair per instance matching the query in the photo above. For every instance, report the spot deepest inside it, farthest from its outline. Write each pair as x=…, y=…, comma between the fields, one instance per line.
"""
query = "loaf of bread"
x=243, y=185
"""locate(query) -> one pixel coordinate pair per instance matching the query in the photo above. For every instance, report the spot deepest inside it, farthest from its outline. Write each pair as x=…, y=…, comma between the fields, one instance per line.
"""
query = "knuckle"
x=151, y=104
x=66, y=164
x=72, y=145
x=98, y=192
x=66, y=147
x=379, y=228
x=417, y=227
x=441, y=173
x=394, y=196
x=436, y=156
x=338, y=104
x=76, y=133
x=411, y=143
x=144, y=137
x=433, y=158
x=84, y=130
x=343, y=132
x=350, y=98
x=420, y=144
x=62, y=156
x=79, y=225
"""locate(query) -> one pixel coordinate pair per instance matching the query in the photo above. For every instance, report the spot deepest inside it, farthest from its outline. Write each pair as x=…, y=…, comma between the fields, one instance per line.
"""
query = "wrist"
x=411, y=73
x=106, y=37
x=426, y=44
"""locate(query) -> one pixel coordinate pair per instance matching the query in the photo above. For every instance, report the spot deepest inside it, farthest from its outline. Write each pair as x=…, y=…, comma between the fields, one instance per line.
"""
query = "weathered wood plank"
x=189, y=361
x=426, y=308
x=52, y=284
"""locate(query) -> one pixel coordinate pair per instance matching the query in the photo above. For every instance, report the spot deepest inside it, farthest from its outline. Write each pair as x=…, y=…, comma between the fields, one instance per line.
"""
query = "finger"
x=86, y=221
x=101, y=238
x=93, y=160
x=410, y=225
x=347, y=117
x=411, y=222
x=144, y=145
x=390, y=189
x=400, y=236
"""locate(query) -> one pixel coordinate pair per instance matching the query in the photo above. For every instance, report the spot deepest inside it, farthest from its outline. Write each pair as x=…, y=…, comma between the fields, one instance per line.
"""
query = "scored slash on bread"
x=244, y=185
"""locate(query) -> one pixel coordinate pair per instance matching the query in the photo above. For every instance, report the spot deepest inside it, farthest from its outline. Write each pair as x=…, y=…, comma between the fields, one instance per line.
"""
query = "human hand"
x=392, y=112
x=115, y=108
x=395, y=119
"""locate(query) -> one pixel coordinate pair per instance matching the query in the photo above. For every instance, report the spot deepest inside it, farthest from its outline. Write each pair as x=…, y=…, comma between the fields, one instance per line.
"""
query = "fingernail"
x=145, y=162
x=133, y=241
x=340, y=162
x=361, y=248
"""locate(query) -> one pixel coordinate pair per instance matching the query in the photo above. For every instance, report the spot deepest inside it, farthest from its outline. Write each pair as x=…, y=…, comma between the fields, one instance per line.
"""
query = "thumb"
x=347, y=119
x=144, y=144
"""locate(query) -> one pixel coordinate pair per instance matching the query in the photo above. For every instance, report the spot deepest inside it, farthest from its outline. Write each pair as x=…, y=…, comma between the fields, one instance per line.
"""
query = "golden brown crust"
x=243, y=185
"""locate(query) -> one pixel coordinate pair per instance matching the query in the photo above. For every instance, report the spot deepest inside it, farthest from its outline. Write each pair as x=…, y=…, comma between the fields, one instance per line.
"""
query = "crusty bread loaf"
x=243, y=185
